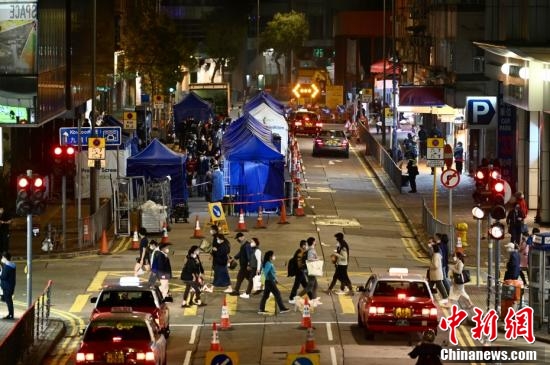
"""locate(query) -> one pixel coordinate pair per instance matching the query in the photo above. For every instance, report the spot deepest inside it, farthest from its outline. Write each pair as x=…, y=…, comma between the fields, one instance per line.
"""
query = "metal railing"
x=92, y=227
x=28, y=329
x=384, y=159
x=433, y=225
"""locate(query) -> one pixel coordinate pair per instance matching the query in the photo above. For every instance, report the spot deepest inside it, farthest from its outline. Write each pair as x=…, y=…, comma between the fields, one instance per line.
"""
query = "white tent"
x=274, y=121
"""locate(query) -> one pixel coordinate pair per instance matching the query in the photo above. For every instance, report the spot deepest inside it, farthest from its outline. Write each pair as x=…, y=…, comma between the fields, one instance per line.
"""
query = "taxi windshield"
x=392, y=288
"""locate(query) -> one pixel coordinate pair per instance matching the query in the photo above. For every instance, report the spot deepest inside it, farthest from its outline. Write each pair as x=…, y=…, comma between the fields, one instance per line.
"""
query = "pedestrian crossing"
x=343, y=304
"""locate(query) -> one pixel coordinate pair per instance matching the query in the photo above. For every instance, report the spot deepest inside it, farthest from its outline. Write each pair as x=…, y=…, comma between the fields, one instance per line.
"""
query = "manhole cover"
x=337, y=222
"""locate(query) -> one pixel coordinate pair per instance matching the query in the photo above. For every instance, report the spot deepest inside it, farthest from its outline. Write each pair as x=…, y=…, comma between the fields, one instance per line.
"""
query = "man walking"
x=7, y=282
x=244, y=264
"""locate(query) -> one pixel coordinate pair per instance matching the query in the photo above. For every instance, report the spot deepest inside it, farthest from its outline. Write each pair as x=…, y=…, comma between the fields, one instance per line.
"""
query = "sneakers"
x=291, y=301
x=263, y=312
x=228, y=290
x=184, y=305
x=284, y=310
x=340, y=292
x=199, y=303
x=244, y=296
x=234, y=293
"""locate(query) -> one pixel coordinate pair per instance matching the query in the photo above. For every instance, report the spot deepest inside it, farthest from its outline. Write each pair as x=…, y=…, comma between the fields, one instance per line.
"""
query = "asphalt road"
x=342, y=195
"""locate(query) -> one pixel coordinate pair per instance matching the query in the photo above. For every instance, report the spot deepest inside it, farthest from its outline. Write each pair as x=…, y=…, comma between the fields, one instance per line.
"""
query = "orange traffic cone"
x=104, y=248
x=260, y=220
x=306, y=315
x=283, y=213
x=197, y=233
x=225, y=324
x=300, y=209
x=164, y=233
x=135, y=240
x=303, y=349
x=241, y=226
x=310, y=341
x=215, y=343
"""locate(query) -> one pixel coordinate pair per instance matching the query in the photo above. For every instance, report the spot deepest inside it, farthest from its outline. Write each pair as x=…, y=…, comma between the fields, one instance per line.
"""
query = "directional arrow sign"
x=70, y=136
x=481, y=110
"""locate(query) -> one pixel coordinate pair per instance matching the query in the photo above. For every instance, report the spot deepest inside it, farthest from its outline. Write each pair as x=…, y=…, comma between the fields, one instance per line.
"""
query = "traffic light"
x=31, y=194
x=38, y=194
x=496, y=230
x=23, y=204
x=481, y=194
x=497, y=191
x=64, y=160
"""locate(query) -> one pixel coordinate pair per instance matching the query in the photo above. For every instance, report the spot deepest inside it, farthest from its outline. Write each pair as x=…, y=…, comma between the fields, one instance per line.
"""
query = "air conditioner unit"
x=478, y=65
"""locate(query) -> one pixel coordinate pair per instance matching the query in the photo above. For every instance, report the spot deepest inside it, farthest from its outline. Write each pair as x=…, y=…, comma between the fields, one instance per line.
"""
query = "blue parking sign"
x=481, y=110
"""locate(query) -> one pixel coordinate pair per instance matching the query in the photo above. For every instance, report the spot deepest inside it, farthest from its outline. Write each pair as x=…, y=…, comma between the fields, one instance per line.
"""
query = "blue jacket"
x=7, y=278
x=512, y=266
x=269, y=271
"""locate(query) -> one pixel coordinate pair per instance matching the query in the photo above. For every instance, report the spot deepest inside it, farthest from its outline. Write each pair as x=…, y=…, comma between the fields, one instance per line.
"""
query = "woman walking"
x=271, y=284
x=191, y=274
x=457, y=288
x=436, y=273
x=341, y=272
x=312, y=285
x=164, y=269
x=220, y=258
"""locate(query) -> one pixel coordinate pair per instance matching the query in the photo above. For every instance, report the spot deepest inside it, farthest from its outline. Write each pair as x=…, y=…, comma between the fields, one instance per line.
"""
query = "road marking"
x=80, y=301
x=193, y=336
x=231, y=302
x=187, y=359
x=66, y=348
x=346, y=303
x=97, y=281
x=329, y=332
x=333, y=355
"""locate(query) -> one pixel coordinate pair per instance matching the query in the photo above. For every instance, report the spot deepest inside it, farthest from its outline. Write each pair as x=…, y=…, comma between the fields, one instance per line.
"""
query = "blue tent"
x=192, y=106
x=157, y=161
x=265, y=98
x=253, y=164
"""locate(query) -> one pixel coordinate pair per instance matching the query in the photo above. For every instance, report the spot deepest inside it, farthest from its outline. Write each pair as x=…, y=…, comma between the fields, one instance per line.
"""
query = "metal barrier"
x=93, y=226
x=28, y=329
x=384, y=159
x=433, y=225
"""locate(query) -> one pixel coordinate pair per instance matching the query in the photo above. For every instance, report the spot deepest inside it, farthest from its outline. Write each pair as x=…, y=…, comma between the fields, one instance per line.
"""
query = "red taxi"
x=304, y=121
x=396, y=302
x=138, y=296
x=122, y=337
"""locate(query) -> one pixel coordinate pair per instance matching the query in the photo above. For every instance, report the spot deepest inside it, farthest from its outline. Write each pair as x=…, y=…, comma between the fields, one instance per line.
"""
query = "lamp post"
x=478, y=214
x=394, y=85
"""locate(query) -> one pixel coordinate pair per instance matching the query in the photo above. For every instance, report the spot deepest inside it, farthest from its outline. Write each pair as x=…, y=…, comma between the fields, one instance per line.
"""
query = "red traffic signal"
x=63, y=160
x=23, y=204
x=498, y=189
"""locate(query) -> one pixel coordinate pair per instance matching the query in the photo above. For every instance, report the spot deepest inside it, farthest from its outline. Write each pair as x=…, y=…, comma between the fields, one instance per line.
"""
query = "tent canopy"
x=264, y=98
x=274, y=121
x=192, y=106
x=157, y=161
x=248, y=139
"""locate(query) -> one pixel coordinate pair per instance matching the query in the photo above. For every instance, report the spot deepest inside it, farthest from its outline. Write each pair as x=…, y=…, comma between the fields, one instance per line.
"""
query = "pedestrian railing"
x=92, y=227
x=433, y=225
x=28, y=330
x=384, y=159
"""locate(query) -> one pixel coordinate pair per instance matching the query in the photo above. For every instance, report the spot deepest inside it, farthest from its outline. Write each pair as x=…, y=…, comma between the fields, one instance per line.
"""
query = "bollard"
x=462, y=233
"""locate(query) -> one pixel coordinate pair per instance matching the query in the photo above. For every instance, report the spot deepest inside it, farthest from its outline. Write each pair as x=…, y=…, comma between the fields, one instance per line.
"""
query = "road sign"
x=96, y=148
x=158, y=101
x=481, y=110
x=129, y=120
x=450, y=178
x=221, y=357
x=448, y=155
x=70, y=136
x=303, y=359
x=434, y=152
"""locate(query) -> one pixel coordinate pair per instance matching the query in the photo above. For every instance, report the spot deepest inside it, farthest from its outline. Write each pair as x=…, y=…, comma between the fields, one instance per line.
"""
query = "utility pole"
x=94, y=196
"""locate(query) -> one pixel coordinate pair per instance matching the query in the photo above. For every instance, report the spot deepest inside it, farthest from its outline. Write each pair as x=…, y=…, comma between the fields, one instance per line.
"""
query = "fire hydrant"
x=462, y=233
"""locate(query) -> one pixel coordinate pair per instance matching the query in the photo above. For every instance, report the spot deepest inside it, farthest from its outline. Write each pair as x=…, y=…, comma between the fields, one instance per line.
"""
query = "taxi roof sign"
x=128, y=281
x=398, y=271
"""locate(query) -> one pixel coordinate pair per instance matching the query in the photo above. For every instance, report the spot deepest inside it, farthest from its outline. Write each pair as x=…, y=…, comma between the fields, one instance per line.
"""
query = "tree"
x=286, y=33
x=225, y=35
x=154, y=48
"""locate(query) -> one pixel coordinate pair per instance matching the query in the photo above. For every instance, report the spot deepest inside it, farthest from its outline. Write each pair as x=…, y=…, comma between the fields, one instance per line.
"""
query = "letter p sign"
x=481, y=110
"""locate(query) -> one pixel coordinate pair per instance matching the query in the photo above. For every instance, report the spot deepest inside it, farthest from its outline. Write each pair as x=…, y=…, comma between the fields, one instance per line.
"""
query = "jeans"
x=299, y=279
x=271, y=287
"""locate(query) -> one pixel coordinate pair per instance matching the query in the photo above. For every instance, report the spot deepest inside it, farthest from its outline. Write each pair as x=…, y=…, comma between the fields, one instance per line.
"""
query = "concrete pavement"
x=409, y=204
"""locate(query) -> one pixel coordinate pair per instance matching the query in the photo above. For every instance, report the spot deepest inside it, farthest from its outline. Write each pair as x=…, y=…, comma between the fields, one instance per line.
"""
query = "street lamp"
x=478, y=214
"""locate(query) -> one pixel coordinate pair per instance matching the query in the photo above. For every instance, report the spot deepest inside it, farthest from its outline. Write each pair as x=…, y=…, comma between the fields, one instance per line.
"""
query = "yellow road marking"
x=97, y=281
x=191, y=311
x=270, y=304
x=79, y=303
x=231, y=302
x=346, y=303
x=66, y=348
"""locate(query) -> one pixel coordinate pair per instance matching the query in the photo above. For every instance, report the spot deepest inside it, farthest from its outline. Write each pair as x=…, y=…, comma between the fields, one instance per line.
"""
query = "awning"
x=438, y=110
x=421, y=96
x=378, y=67
x=540, y=54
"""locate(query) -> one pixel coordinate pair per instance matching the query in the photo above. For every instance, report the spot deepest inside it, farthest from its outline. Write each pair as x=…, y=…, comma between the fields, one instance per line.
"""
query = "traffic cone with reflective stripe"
x=135, y=240
x=283, y=214
x=104, y=248
x=300, y=209
x=225, y=324
x=260, y=220
x=306, y=315
x=197, y=233
x=164, y=233
x=215, y=343
x=310, y=341
x=241, y=226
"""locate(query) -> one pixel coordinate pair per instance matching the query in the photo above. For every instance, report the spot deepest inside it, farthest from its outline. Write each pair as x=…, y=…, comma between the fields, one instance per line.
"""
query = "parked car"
x=331, y=142
x=304, y=121
x=138, y=296
x=122, y=337
x=396, y=302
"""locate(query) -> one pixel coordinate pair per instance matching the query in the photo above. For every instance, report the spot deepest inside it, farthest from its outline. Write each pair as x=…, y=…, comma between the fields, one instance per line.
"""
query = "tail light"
x=401, y=296
x=145, y=356
x=297, y=124
x=319, y=125
x=344, y=142
x=376, y=311
x=318, y=141
x=84, y=356
x=429, y=312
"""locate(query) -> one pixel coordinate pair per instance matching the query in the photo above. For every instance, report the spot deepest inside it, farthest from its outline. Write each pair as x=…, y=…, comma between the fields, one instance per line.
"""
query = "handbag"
x=466, y=275
x=232, y=264
x=458, y=278
x=206, y=246
x=315, y=268
x=257, y=282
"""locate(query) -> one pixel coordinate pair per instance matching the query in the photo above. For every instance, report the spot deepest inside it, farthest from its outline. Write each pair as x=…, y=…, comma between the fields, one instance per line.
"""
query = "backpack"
x=292, y=267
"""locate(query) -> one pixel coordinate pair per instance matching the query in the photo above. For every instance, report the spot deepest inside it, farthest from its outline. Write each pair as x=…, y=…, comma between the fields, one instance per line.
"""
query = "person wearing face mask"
x=341, y=265
x=300, y=277
x=220, y=258
x=513, y=267
x=191, y=274
x=152, y=252
x=7, y=282
x=164, y=269
x=312, y=285
x=271, y=284
x=244, y=264
x=457, y=289
x=255, y=266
